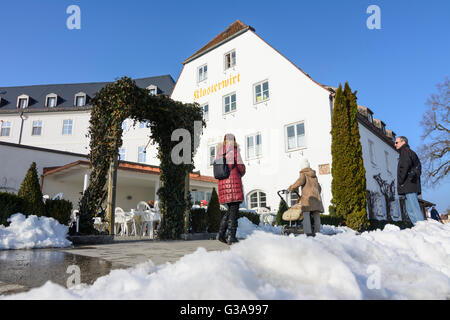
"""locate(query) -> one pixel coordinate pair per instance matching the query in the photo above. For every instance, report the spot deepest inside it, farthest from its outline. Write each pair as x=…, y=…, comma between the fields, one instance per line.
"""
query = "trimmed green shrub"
x=253, y=217
x=331, y=220
x=30, y=191
x=10, y=204
x=198, y=221
x=380, y=224
x=349, y=175
x=282, y=208
x=213, y=214
x=59, y=210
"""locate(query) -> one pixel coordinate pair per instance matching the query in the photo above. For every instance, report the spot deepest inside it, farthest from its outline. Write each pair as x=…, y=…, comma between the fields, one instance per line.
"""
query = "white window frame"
x=205, y=75
x=372, y=152
x=152, y=87
x=51, y=96
x=292, y=198
x=386, y=155
x=225, y=67
x=3, y=128
x=223, y=103
x=143, y=124
x=295, y=135
x=209, y=154
x=23, y=97
x=205, y=114
x=122, y=150
x=65, y=126
x=256, y=155
x=80, y=95
x=259, y=202
x=142, y=151
x=35, y=126
x=261, y=83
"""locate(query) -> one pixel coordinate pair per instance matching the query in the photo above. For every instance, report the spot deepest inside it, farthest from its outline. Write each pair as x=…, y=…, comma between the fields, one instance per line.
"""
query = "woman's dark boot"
x=233, y=224
x=223, y=228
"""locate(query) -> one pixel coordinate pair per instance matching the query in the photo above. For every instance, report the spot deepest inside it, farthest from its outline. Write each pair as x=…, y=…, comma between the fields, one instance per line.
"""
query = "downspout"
x=21, y=127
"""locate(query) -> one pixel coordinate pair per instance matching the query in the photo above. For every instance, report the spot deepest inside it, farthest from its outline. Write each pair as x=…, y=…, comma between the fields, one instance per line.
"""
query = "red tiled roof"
x=234, y=28
x=136, y=167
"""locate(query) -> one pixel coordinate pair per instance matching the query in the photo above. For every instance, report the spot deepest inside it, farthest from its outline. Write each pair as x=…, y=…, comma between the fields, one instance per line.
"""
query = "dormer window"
x=51, y=100
x=23, y=101
x=153, y=90
x=80, y=99
x=383, y=128
x=370, y=117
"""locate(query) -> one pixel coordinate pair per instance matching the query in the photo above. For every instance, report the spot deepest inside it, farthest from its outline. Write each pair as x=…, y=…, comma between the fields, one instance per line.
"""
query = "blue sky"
x=394, y=69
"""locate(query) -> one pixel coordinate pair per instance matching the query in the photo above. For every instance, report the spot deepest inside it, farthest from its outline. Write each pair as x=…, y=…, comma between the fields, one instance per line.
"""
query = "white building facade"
x=277, y=113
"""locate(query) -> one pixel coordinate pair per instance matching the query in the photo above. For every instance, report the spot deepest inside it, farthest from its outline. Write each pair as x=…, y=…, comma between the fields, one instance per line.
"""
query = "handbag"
x=221, y=170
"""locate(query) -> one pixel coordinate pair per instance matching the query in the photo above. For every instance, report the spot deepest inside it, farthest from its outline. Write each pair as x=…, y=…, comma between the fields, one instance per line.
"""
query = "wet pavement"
x=21, y=270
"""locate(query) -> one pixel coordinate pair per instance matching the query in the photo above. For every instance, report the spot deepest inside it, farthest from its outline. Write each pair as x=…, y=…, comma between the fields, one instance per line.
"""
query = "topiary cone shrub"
x=214, y=215
x=348, y=186
x=30, y=192
x=282, y=208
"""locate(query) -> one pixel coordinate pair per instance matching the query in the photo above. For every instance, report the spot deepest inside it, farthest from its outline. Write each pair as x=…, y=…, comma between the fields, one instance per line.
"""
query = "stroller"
x=293, y=214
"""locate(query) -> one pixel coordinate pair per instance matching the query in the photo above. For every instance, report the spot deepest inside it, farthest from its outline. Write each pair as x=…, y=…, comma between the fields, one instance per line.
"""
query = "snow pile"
x=33, y=232
x=388, y=264
x=246, y=228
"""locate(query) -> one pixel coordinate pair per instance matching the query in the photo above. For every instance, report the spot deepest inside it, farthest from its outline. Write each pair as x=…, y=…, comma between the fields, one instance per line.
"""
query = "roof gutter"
x=217, y=44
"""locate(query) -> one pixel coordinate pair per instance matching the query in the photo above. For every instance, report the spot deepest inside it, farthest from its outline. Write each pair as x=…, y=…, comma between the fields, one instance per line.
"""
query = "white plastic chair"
x=120, y=218
x=143, y=206
x=148, y=219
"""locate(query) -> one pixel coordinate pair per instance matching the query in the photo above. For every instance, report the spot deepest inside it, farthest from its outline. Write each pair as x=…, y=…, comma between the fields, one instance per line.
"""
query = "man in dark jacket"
x=435, y=215
x=409, y=170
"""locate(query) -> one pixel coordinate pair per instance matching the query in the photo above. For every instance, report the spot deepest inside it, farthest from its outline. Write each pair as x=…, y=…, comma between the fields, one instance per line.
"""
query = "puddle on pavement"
x=33, y=268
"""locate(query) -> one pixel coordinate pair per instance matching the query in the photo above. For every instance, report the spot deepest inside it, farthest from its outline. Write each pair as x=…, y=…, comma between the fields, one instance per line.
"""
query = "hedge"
x=60, y=210
x=11, y=203
x=372, y=225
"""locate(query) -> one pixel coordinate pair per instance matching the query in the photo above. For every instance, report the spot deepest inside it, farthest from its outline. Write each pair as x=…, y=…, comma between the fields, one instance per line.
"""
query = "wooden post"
x=111, y=204
x=188, y=210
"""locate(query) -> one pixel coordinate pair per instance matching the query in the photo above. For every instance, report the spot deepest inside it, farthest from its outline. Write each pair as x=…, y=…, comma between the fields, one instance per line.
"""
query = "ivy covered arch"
x=111, y=106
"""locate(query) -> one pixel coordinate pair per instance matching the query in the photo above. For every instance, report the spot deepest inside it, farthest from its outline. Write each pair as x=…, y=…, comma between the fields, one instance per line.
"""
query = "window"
x=205, y=108
x=257, y=199
x=386, y=155
x=370, y=117
x=141, y=154
x=212, y=154
x=202, y=73
x=51, y=100
x=292, y=198
x=37, y=128
x=254, y=143
x=229, y=103
x=122, y=152
x=153, y=90
x=6, y=129
x=261, y=91
x=230, y=59
x=80, y=101
x=22, y=101
x=144, y=124
x=295, y=135
x=67, y=127
x=372, y=152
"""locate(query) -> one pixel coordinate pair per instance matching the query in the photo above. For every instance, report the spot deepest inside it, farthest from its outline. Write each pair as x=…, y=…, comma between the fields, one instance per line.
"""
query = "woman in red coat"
x=230, y=189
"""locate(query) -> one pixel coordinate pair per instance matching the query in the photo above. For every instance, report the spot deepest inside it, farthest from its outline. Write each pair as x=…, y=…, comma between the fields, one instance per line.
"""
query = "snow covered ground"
x=33, y=232
x=387, y=264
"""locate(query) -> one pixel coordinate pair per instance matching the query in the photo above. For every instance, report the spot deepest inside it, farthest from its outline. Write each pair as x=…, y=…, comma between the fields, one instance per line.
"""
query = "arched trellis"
x=111, y=106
